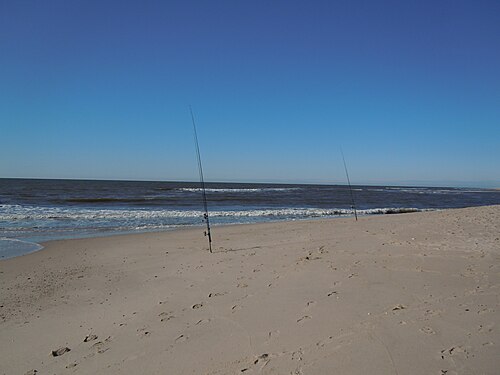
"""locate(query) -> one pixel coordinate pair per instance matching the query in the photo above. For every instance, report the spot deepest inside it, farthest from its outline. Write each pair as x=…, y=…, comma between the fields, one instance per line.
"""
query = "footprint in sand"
x=428, y=330
x=273, y=334
x=203, y=321
x=90, y=338
x=308, y=257
x=261, y=357
x=181, y=338
x=143, y=331
x=485, y=329
x=310, y=304
x=455, y=350
x=197, y=306
x=430, y=313
x=60, y=351
x=303, y=319
x=297, y=355
x=324, y=342
x=398, y=307
x=99, y=346
x=485, y=310
x=166, y=316
x=218, y=294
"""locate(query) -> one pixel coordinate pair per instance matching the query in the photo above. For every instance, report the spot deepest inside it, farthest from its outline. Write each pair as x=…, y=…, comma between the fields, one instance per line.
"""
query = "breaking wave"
x=236, y=190
x=439, y=191
x=108, y=200
x=17, y=213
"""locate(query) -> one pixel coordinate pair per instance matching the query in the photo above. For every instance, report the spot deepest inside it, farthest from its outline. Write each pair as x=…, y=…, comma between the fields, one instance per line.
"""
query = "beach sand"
x=400, y=294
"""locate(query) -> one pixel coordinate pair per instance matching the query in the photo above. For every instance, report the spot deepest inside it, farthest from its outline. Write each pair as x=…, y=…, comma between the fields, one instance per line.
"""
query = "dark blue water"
x=32, y=211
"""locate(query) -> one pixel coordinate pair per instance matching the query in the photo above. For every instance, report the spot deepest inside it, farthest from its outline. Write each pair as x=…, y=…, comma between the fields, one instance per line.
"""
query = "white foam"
x=18, y=213
x=213, y=190
x=418, y=190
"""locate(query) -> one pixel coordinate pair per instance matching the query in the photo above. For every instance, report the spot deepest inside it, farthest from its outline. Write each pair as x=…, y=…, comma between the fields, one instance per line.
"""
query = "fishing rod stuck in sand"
x=353, y=204
x=202, y=182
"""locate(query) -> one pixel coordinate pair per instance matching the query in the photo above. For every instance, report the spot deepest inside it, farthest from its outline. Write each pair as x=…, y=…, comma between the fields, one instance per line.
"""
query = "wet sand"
x=412, y=293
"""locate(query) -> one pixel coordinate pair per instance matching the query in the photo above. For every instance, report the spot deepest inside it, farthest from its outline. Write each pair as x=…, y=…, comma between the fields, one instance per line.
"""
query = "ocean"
x=33, y=211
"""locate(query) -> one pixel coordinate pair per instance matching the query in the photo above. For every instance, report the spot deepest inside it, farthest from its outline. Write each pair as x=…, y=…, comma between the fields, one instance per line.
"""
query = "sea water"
x=33, y=211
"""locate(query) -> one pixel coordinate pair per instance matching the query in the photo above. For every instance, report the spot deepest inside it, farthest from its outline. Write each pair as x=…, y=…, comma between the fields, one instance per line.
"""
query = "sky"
x=410, y=90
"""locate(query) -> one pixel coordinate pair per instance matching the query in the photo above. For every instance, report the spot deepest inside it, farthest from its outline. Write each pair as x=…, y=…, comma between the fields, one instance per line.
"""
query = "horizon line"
x=493, y=185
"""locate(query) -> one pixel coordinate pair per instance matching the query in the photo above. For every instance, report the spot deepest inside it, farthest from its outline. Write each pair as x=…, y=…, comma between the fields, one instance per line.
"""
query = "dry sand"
x=395, y=294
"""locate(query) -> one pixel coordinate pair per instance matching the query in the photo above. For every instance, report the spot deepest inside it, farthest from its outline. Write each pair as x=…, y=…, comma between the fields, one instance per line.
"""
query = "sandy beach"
x=400, y=294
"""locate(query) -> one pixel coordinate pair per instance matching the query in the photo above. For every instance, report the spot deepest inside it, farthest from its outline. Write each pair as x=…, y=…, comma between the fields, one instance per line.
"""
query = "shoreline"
x=112, y=233
x=399, y=293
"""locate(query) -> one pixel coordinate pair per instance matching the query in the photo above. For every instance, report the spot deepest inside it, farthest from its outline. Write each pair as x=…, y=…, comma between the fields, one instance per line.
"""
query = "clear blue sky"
x=100, y=89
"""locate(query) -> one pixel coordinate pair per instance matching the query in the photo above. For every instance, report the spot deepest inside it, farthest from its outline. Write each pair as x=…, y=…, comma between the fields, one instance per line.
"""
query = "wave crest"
x=236, y=190
x=16, y=213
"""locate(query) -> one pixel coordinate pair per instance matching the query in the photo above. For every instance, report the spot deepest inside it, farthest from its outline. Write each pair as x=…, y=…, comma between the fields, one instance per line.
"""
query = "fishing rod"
x=202, y=182
x=353, y=206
